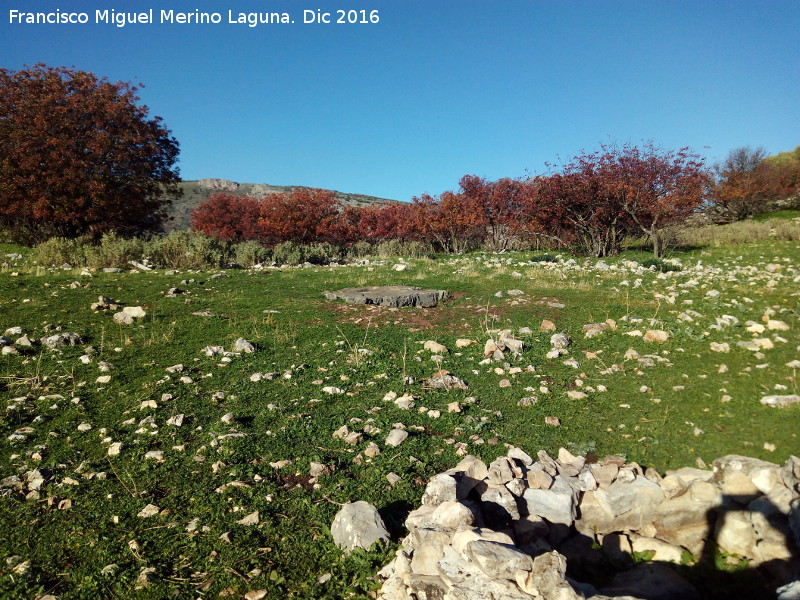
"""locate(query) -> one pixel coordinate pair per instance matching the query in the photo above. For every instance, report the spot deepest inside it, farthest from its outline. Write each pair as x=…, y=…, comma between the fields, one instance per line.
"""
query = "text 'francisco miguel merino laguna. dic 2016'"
x=121, y=19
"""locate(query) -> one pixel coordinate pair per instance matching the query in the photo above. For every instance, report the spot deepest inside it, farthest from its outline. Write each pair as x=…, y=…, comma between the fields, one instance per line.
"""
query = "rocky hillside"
x=195, y=192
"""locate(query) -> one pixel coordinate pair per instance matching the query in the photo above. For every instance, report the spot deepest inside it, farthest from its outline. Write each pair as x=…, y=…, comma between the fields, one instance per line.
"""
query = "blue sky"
x=438, y=89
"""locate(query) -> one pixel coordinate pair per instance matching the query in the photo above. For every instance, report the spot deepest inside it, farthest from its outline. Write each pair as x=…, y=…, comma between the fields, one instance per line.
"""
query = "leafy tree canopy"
x=79, y=155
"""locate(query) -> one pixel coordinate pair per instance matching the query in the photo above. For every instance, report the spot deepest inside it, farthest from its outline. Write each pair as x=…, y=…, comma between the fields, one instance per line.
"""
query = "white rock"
x=358, y=525
x=148, y=511
x=251, y=519
x=114, y=449
x=656, y=335
x=780, y=401
x=136, y=312
x=396, y=437
x=435, y=347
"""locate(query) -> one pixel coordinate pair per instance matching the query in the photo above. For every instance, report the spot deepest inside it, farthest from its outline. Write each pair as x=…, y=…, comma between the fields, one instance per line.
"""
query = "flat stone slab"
x=389, y=295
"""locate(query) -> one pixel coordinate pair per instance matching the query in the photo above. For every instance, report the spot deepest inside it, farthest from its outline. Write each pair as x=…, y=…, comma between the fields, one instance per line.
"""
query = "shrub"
x=114, y=251
x=360, y=250
x=59, y=251
x=322, y=254
x=288, y=253
x=389, y=248
x=187, y=250
x=544, y=258
x=659, y=265
x=418, y=249
x=251, y=253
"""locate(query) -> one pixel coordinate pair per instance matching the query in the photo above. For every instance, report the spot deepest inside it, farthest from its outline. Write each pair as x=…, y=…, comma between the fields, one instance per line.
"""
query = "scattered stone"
x=61, y=339
x=148, y=511
x=435, y=347
x=242, y=345
x=396, y=437
x=547, y=326
x=656, y=335
x=780, y=401
x=442, y=380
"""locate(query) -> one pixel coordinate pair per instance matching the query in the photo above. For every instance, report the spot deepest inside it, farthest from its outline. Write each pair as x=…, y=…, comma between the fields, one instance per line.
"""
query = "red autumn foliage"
x=79, y=155
x=305, y=215
x=228, y=218
x=747, y=180
x=598, y=198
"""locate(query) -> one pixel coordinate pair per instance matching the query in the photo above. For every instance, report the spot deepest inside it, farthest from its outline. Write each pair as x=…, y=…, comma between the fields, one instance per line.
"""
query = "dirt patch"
x=459, y=313
x=289, y=481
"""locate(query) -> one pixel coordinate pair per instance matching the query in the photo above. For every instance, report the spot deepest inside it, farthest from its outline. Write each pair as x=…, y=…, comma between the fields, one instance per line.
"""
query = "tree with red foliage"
x=453, y=221
x=393, y=221
x=654, y=187
x=747, y=180
x=79, y=155
x=575, y=207
x=345, y=228
x=599, y=198
x=499, y=205
x=304, y=215
x=228, y=218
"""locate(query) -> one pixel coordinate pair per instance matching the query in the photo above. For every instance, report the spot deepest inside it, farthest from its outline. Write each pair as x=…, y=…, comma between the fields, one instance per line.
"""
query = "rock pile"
x=507, y=530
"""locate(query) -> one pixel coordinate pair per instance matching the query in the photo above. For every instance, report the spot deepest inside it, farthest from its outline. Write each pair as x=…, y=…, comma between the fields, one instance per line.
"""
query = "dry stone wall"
x=507, y=530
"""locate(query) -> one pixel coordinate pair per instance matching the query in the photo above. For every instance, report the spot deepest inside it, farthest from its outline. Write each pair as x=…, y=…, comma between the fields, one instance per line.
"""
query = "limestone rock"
x=61, y=339
x=396, y=437
x=560, y=340
x=558, y=504
x=654, y=581
x=656, y=335
x=242, y=345
x=358, y=525
x=390, y=295
x=778, y=401
x=498, y=561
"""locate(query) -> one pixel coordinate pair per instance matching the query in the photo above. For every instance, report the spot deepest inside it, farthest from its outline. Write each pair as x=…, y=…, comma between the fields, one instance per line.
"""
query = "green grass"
x=783, y=215
x=650, y=414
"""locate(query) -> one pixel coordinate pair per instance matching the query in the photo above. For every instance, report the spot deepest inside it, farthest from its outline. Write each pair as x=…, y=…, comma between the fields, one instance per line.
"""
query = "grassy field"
x=244, y=447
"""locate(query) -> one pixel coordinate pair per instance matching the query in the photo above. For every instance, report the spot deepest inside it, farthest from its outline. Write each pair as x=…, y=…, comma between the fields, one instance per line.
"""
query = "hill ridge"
x=197, y=191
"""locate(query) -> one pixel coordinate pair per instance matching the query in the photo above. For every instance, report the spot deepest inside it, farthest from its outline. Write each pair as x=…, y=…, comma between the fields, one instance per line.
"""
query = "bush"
x=416, y=249
x=59, y=251
x=549, y=258
x=412, y=249
x=288, y=253
x=360, y=250
x=251, y=253
x=187, y=250
x=322, y=254
x=114, y=251
x=659, y=265
x=389, y=248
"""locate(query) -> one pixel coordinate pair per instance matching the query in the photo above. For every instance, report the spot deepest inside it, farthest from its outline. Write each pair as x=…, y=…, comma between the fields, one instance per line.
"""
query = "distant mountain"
x=196, y=192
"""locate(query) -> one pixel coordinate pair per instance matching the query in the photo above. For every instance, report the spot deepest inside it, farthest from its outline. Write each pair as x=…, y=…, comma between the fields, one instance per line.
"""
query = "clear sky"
x=437, y=89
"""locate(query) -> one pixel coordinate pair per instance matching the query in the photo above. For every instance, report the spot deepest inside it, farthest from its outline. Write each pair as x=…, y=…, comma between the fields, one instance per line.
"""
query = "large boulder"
x=389, y=295
x=358, y=525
